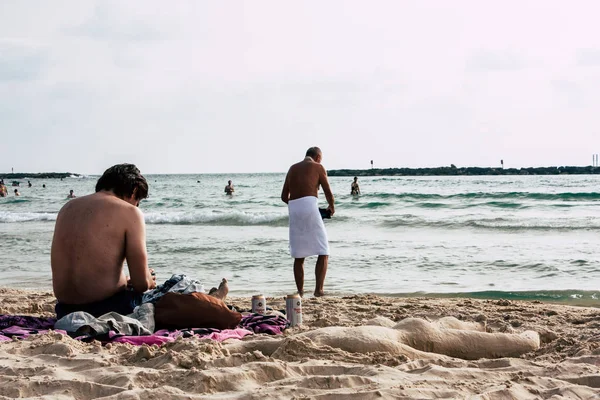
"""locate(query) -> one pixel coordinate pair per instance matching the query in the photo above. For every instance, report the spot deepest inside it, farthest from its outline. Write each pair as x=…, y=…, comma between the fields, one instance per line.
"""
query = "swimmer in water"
x=354, y=189
x=229, y=188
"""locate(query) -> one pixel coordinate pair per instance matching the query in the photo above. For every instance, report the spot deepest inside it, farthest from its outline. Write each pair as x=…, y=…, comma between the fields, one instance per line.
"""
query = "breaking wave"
x=233, y=218
x=567, y=196
x=11, y=217
x=499, y=224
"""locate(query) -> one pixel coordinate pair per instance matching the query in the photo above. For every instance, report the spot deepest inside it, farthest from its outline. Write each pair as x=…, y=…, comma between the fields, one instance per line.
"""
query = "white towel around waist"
x=307, y=231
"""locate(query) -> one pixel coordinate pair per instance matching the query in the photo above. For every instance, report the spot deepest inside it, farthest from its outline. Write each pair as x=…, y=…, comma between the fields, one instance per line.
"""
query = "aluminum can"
x=259, y=304
x=293, y=309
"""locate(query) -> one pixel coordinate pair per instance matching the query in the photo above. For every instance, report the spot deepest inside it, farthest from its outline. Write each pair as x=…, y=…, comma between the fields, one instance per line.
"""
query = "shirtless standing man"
x=93, y=236
x=307, y=232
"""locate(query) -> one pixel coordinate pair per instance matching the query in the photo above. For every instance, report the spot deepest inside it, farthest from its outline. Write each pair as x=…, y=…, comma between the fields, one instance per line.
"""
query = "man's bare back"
x=304, y=179
x=93, y=236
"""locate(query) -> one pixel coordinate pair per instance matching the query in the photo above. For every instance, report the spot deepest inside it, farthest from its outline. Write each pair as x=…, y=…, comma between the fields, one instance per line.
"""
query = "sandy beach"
x=362, y=365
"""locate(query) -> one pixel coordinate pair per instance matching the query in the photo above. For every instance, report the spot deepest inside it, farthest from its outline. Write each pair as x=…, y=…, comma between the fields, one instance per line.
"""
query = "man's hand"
x=331, y=209
x=153, y=274
x=285, y=192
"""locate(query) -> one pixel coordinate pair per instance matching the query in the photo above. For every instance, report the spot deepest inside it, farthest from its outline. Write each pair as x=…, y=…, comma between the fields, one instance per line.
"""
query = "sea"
x=512, y=237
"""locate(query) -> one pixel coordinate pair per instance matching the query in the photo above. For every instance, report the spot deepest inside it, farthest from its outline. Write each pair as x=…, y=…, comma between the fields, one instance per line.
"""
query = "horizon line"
x=283, y=172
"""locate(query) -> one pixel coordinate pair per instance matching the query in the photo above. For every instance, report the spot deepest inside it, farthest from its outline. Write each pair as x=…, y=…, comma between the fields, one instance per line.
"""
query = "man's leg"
x=299, y=274
x=320, y=272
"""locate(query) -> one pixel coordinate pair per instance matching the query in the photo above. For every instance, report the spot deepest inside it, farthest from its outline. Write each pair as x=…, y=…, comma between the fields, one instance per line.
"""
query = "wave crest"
x=500, y=224
x=10, y=217
x=566, y=196
x=232, y=218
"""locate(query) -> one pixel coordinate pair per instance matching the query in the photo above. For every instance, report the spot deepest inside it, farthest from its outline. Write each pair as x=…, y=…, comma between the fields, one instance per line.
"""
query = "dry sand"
x=361, y=362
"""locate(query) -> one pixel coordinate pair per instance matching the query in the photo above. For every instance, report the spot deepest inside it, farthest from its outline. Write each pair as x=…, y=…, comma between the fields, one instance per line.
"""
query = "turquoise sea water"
x=497, y=236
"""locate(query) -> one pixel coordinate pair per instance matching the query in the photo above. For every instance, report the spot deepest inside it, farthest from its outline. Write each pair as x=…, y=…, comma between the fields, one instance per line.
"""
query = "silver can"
x=259, y=304
x=293, y=309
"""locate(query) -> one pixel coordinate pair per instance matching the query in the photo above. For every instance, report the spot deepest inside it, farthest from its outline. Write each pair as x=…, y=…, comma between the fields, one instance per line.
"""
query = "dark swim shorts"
x=122, y=303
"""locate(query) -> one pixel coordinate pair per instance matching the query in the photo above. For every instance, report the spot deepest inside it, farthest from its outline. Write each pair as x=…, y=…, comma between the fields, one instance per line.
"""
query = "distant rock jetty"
x=467, y=171
x=37, y=175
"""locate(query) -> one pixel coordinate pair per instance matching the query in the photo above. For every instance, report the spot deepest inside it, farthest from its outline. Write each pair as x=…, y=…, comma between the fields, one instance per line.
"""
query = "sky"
x=248, y=86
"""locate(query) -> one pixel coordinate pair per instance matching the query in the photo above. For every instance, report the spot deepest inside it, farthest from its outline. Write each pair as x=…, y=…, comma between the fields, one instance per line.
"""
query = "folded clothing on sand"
x=140, y=322
x=307, y=230
x=177, y=283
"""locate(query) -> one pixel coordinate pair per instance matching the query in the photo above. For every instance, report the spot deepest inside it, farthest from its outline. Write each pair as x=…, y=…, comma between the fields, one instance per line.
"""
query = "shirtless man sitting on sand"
x=307, y=232
x=94, y=235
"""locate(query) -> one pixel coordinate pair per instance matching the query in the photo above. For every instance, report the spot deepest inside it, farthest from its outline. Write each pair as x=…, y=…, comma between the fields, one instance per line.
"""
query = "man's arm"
x=285, y=192
x=327, y=189
x=136, y=254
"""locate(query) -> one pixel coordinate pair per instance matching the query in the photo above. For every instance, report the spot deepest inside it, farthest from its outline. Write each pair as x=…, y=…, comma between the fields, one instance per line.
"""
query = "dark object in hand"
x=325, y=213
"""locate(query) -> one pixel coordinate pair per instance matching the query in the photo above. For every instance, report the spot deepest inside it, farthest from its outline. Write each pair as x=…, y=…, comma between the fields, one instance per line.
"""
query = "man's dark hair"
x=124, y=180
x=313, y=152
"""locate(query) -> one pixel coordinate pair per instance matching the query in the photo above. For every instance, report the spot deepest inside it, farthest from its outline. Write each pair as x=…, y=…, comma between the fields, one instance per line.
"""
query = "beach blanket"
x=307, y=231
x=166, y=336
x=269, y=324
x=20, y=327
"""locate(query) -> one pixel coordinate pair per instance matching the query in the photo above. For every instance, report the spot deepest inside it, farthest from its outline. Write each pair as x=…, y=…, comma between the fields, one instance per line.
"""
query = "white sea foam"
x=232, y=217
x=235, y=218
x=11, y=217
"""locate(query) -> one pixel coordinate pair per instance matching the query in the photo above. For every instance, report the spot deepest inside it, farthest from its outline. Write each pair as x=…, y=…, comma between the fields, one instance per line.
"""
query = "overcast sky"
x=200, y=86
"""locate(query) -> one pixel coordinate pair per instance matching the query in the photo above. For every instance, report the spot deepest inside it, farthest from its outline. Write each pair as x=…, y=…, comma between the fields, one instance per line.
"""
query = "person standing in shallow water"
x=354, y=189
x=71, y=194
x=17, y=192
x=307, y=231
x=3, y=189
x=229, y=188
